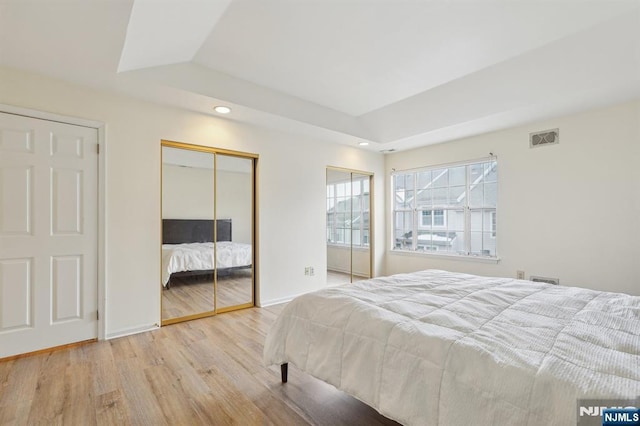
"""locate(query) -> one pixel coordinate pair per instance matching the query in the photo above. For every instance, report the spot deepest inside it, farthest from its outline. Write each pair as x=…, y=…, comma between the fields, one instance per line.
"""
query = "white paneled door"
x=48, y=234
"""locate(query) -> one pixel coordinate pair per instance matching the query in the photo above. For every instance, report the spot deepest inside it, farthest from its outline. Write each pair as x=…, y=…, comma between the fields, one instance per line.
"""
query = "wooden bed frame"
x=181, y=231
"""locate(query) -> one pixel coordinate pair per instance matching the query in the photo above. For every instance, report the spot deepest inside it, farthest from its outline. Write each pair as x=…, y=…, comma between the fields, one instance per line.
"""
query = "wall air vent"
x=554, y=281
x=548, y=137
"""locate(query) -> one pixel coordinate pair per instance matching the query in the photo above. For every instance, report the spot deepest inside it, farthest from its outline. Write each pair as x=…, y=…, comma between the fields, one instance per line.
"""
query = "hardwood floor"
x=338, y=278
x=235, y=288
x=193, y=295
x=207, y=371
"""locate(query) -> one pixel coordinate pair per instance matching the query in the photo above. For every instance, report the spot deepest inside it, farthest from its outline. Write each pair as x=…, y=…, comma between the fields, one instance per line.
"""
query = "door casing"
x=101, y=204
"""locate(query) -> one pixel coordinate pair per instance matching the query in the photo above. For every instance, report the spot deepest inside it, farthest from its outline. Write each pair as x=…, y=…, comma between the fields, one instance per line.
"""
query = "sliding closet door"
x=188, y=234
x=348, y=226
x=235, y=251
x=208, y=231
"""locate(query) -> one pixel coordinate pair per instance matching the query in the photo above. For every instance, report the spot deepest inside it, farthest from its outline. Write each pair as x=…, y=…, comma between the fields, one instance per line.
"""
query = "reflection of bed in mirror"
x=188, y=249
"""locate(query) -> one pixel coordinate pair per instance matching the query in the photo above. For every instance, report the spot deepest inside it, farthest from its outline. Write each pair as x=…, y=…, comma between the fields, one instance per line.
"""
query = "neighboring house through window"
x=493, y=224
x=432, y=218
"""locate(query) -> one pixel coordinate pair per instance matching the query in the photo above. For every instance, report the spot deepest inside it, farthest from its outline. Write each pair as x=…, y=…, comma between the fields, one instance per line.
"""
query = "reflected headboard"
x=180, y=231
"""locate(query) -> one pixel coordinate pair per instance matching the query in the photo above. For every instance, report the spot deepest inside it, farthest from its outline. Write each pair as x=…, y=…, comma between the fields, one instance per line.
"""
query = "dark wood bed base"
x=284, y=370
x=222, y=272
x=181, y=231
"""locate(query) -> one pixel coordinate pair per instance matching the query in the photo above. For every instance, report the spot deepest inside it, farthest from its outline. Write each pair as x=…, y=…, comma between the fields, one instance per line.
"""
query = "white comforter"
x=441, y=348
x=199, y=257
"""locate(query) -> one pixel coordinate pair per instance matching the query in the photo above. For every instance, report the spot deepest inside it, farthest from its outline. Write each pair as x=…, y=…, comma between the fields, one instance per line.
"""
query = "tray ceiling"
x=398, y=74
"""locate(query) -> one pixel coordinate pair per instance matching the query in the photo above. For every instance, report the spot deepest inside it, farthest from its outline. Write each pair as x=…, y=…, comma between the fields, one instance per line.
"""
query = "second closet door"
x=348, y=226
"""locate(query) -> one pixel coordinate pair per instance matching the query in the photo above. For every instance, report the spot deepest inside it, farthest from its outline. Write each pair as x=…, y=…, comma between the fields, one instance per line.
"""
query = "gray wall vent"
x=547, y=280
x=548, y=137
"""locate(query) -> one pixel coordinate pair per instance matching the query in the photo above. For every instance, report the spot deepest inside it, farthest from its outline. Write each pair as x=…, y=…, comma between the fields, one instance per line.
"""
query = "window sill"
x=448, y=256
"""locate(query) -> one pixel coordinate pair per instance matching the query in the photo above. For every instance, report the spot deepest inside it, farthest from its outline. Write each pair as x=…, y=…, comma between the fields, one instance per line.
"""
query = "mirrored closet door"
x=208, y=216
x=234, y=202
x=349, y=233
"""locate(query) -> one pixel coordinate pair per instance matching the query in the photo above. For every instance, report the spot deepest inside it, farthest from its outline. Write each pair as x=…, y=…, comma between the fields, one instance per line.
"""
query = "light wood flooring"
x=194, y=295
x=207, y=371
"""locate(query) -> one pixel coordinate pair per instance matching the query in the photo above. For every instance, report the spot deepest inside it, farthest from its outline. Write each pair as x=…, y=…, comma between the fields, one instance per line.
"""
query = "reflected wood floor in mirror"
x=337, y=278
x=206, y=371
x=193, y=295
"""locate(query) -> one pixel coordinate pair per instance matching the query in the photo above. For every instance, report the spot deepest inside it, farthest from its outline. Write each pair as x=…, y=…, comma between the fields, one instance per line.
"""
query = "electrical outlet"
x=306, y=270
x=520, y=275
x=312, y=272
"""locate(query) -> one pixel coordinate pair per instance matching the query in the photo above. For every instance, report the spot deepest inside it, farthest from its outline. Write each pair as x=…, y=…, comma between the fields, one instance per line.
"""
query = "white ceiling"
x=395, y=73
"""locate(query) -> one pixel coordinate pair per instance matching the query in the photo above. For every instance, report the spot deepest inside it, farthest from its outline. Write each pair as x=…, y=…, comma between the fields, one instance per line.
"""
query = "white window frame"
x=433, y=218
x=417, y=213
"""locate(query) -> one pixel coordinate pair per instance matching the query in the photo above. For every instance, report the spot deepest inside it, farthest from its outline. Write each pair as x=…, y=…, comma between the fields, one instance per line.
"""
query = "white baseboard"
x=345, y=271
x=130, y=331
x=278, y=301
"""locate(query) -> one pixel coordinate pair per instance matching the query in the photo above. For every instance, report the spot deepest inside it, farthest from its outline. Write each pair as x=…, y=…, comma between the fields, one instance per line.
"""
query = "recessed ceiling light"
x=222, y=109
x=363, y=143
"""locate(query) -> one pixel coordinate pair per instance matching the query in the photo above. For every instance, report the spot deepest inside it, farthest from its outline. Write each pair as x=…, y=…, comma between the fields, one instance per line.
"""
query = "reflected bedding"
x=199, y=257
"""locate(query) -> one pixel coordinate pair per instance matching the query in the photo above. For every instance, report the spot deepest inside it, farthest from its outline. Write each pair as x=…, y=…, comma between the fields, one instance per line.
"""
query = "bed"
x=188, y=249
x=442, y=348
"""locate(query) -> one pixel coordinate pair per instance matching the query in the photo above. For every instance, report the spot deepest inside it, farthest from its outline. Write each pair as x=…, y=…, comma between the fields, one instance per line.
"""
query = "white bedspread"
x=199, y=257
x=441, y=348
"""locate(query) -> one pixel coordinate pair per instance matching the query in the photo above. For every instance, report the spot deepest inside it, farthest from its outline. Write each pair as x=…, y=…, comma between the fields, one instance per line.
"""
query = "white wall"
x=570, y=211
x=291, y=191
x=188, y=193
x=234, y=202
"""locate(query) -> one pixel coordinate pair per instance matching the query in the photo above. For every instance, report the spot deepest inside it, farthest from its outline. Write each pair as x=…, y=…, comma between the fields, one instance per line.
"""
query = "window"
x=432, y=218
x=447, y=209
x=348, y=212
